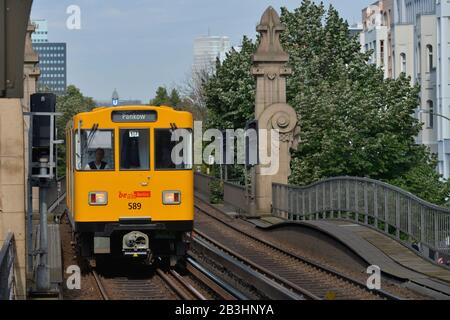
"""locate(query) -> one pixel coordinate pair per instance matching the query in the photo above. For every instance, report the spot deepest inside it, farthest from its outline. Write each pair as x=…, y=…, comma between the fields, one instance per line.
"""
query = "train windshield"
x=94, y=150
x=173, y=149
x=135, y=149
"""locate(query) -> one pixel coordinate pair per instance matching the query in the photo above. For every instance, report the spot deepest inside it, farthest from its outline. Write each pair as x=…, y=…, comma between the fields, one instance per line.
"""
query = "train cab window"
x=135, y=149
x=173, y=149
x=94, y=151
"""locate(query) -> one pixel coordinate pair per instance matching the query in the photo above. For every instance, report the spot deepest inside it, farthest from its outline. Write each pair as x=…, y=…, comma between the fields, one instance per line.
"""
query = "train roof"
x=132, y=107
x=103, y=111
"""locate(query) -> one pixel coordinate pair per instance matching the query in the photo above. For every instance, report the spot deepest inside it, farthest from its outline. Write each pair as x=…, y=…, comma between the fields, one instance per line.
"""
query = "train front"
x=133, y=183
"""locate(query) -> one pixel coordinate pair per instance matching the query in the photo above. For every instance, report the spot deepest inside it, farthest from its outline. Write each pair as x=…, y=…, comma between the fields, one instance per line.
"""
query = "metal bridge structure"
x=375, y=204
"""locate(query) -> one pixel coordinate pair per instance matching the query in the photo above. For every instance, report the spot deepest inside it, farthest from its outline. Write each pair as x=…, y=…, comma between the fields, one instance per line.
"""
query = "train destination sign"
x=134, y=116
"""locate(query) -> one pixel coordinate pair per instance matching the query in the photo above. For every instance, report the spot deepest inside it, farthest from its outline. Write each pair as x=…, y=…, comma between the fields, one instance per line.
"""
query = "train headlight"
x=171, y=197
x=98, y=198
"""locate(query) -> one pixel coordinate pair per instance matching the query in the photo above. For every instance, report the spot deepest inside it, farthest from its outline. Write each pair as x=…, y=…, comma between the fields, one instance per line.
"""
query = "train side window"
x=94, y=151
x=135, y=149
x=173, y=149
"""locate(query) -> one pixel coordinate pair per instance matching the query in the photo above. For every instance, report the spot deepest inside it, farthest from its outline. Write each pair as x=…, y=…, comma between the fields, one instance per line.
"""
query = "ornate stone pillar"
x=271, y=110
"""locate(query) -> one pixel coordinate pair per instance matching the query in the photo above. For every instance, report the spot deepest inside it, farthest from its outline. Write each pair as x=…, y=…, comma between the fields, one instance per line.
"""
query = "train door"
x=134, y=160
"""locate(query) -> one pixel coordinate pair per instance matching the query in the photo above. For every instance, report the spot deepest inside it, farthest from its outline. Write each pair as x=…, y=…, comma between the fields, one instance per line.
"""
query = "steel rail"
x=258, y=268
x=305, y=260
x=221, y=288
x=100, y=286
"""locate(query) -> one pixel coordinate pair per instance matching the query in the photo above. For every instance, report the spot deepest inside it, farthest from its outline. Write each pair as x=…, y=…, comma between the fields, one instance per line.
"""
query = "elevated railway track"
x=298, y=274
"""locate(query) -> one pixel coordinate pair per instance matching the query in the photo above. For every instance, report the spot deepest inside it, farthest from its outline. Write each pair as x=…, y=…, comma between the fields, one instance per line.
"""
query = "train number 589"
x=134, y=206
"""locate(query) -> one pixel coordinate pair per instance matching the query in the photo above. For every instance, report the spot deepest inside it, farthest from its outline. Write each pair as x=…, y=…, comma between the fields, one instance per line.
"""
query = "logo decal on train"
x=135, y=195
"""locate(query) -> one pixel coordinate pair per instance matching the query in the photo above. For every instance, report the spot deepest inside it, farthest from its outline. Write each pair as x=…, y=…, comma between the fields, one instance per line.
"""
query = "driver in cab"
x=98, y=164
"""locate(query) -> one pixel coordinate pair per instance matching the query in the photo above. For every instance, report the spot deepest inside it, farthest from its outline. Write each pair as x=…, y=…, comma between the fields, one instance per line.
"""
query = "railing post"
x=283, y=201
x=356, y=201
x=397, y=215
x=317, y=202
x=310, y=202
x=436, y=232
x=386, y=210
x=422, y=225
x=347, y=196
x=375, y=204
x=409, y=219
x=331, y=200
x=339, y=200
x=324, y=202
x=366, y=205
x=303, y=205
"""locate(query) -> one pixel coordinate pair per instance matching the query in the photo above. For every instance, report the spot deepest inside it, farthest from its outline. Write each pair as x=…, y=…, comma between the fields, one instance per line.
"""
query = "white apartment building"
x=206, y=51
x=375, y=34
x=413, y=37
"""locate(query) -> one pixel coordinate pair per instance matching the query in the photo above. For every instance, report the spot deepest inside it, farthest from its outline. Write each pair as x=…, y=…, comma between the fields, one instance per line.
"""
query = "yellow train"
x=130, y=189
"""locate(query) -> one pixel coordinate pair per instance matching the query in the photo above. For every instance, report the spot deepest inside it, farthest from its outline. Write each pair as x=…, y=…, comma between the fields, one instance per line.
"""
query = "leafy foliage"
x=163, y=98
x=353, y=121
x=230, y=91
x=178, y=102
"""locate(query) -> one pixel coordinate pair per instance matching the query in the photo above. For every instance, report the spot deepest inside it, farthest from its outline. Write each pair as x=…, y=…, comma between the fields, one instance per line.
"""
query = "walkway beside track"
x=392, y=257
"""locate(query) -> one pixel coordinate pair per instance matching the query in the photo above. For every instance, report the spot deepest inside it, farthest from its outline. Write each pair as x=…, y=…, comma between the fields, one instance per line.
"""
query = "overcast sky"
x=138, y=45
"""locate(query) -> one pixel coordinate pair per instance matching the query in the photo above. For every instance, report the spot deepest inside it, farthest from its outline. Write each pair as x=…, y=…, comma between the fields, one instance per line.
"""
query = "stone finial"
x=270, y=48
x=30, y=55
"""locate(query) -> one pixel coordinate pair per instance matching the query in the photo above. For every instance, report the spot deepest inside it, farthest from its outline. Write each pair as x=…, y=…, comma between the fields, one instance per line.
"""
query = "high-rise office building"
x=412, y=37
x=52, y=60
x=207, y=49
x=40, y=35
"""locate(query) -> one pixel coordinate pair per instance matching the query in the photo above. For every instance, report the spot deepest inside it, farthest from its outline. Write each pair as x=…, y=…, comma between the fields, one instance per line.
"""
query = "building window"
x=382, y=52
x=419, y=60
x=430, y=114
x=430, y=58
x=403, y=62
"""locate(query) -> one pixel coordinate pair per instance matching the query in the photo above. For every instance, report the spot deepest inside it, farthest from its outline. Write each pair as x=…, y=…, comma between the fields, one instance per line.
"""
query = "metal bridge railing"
x=387, y=208
x=7, y=269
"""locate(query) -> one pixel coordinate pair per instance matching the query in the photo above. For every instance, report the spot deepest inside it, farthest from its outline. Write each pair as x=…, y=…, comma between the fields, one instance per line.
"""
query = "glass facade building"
x=53, y=65
x=52, y=60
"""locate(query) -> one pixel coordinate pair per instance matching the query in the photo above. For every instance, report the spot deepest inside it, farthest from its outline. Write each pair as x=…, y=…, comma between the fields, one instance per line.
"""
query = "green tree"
x=161, y=98
x=70, y=104
x=354, y=122
x=174, y=99
x=230, y=91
